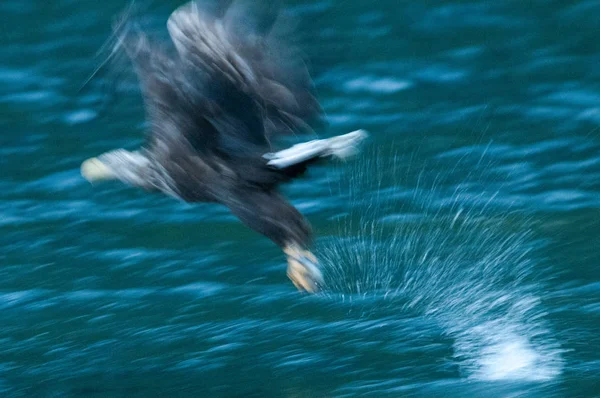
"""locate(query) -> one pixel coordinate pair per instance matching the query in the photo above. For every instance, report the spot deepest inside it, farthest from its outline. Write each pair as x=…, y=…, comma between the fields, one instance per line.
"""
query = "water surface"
x=460, y=249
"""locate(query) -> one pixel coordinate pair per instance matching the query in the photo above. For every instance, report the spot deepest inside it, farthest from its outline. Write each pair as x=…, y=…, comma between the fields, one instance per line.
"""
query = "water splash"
x=442, y=246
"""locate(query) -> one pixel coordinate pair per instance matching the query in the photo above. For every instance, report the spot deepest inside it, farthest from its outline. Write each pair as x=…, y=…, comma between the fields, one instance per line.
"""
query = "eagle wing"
x=231, y=84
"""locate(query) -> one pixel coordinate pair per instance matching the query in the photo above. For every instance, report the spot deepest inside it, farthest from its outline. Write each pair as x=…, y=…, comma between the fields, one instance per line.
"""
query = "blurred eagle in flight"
x=216, y=96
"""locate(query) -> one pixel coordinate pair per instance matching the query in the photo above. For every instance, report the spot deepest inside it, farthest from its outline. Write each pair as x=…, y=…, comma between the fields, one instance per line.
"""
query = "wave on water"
x=440, y=246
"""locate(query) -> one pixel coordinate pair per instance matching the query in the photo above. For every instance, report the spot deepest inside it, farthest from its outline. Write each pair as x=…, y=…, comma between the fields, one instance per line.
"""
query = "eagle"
x=216, y=96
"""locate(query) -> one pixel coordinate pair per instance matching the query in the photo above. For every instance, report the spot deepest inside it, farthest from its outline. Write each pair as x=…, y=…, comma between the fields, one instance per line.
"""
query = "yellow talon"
x=303, y=269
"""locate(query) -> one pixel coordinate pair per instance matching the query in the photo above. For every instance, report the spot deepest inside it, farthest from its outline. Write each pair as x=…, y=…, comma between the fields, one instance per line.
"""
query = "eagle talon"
x=303, y=270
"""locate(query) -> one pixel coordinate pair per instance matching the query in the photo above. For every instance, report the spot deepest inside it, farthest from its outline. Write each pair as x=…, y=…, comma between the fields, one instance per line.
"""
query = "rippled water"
x=461, y=249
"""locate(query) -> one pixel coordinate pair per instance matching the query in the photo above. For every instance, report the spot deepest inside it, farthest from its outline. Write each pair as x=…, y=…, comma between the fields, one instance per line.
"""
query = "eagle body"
x=216, y=97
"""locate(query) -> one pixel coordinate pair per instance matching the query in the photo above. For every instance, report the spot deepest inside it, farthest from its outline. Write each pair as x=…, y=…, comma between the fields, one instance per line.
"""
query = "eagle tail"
x=341, y=147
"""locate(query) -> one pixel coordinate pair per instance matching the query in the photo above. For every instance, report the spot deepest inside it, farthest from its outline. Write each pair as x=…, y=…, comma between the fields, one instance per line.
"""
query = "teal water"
x=461, y=249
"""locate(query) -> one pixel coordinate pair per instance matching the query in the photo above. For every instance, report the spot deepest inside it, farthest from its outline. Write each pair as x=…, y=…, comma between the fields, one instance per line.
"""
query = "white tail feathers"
x=341, y=147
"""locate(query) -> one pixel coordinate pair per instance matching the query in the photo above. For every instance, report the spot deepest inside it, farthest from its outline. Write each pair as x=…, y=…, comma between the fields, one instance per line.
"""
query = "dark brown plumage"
x=215, y=106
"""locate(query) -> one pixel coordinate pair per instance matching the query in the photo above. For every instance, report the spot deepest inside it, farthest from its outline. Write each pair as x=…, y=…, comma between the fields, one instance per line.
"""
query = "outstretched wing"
x=229, y=86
